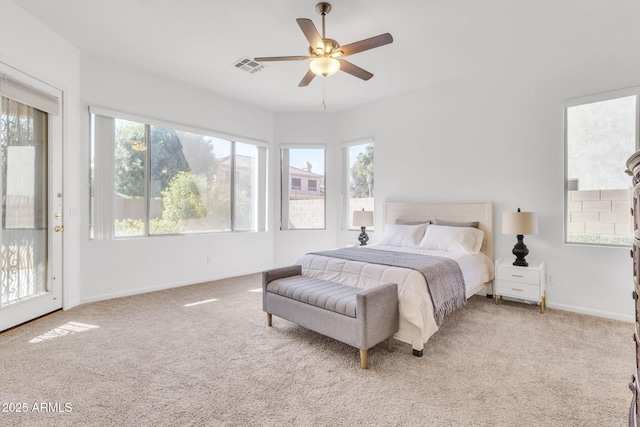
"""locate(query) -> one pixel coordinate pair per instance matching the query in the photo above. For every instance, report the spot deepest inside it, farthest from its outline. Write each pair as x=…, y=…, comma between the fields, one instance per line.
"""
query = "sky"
x=315, y=156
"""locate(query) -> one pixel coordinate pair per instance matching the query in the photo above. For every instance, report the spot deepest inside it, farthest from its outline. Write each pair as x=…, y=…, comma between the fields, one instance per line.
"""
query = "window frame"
x=101, y=187
x=584, y=100
x=346, y=181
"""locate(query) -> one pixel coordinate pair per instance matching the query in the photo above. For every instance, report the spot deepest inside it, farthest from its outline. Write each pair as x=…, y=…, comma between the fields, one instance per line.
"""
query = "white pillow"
x=466, y=240
x=403, y=235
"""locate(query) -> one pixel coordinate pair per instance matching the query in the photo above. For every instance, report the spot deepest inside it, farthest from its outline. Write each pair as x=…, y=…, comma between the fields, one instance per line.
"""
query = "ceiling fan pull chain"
x=324, y=92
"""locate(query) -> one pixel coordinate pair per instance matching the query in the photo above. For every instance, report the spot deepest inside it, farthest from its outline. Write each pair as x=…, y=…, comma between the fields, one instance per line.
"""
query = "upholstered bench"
x=358, y=317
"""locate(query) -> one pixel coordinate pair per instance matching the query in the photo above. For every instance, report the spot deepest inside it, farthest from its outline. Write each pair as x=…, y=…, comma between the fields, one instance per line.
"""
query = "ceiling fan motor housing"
x=329, y=49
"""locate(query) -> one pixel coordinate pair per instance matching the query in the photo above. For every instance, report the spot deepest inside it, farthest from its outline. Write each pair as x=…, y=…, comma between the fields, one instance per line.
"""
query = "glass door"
x=30, y=235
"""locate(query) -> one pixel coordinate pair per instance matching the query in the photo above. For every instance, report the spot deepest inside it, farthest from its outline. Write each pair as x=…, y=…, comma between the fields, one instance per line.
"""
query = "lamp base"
x=520, y=251
x=521, y=263
x=363, y=238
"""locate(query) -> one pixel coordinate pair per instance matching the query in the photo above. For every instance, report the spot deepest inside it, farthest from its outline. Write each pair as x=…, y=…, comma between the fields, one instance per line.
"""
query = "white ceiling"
x=198, y=41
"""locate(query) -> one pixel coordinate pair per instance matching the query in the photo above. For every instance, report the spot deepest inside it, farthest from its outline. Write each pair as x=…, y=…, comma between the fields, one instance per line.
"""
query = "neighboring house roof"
x=242, y=160
x=302, y=172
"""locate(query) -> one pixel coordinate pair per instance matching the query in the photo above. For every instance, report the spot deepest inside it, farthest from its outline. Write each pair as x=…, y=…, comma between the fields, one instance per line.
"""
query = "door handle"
x=58, y=228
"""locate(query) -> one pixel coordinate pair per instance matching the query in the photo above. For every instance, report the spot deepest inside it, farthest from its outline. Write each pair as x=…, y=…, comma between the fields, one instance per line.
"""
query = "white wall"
x=305, y=128
x=122, y=267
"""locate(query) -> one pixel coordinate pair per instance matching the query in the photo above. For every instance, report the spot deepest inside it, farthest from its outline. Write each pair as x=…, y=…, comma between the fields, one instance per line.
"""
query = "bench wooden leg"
x=363, y=359
x=390, y=344
x=268, y=319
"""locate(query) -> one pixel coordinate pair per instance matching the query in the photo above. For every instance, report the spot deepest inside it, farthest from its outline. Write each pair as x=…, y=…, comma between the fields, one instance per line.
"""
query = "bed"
x=418, y=321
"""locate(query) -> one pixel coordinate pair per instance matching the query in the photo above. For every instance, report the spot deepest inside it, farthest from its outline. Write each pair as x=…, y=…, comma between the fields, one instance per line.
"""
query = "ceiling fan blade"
x=306, y=79
x=311, y=33
x=354, y=70
x=366, y=44
x=281, y=58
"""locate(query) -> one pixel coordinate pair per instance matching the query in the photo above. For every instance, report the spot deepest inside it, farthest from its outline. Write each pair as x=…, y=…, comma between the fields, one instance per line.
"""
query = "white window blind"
x=103, y=185
x=18, y=91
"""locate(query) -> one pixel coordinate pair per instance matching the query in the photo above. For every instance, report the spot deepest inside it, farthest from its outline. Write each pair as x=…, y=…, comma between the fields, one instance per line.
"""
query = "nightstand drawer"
x=517, y=290
x=518, y=275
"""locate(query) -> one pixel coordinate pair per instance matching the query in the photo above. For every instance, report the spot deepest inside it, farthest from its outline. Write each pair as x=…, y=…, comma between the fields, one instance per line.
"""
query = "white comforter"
x=414, y=300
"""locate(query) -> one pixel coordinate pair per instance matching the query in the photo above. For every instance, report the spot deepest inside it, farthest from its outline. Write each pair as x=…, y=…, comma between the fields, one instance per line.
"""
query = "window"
x=296, y=183
x=154, y=179
x=601, y=134
x=303, y=198
x=359, y=182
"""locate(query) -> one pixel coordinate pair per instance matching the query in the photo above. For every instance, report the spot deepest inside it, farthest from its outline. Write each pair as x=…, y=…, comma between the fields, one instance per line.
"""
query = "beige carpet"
x=151, y=360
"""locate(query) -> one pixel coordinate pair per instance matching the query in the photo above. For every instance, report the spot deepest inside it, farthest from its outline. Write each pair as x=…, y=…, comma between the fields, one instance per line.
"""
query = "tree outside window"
x=361, y=179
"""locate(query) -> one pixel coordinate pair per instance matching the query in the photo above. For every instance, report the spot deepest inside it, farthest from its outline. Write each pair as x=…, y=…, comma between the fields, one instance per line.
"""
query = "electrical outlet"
x=208, y=259
x=549, y=279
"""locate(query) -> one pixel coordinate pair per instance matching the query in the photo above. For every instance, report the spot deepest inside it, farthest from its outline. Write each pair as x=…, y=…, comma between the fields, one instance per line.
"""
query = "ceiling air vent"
x=248, y=65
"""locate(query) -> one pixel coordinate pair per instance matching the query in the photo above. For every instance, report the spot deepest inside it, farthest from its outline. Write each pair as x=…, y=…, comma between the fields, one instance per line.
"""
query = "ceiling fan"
x=326, y=54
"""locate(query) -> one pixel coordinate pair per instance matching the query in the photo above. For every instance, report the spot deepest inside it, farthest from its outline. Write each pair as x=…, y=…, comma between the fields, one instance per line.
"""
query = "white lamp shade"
x=363, y=218
x=324, y=66
x=519, y=223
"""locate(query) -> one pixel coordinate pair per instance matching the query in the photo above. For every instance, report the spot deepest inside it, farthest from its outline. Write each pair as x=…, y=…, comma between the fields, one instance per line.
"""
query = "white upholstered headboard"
x=448, y=211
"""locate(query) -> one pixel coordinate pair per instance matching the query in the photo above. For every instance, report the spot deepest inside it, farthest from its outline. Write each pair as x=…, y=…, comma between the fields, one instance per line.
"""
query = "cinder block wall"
x=308, y=214
x=603, y=212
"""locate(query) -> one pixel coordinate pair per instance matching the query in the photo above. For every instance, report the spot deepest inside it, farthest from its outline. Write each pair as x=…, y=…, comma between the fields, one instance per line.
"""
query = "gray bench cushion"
x=358, y=317
x=330, y=296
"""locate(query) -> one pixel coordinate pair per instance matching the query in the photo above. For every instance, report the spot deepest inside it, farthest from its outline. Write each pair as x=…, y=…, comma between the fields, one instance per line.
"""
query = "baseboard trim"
x=592, y=312
x=121, y=294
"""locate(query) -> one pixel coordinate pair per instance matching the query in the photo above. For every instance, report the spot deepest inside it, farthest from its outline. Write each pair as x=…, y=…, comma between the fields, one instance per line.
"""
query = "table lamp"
x=520, y=224
x=363, y=219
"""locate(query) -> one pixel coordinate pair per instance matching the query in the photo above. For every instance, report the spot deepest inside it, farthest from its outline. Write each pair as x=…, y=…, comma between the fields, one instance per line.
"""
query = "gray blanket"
x=443, y=275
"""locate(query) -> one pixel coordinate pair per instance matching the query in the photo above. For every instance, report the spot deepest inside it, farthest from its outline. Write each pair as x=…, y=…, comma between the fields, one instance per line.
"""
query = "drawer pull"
x=517, y=289
x=517, y=275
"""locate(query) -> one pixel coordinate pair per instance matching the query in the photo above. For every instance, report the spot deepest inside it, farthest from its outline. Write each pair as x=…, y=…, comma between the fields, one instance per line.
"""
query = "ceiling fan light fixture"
x=324, y=66
x=139, y=144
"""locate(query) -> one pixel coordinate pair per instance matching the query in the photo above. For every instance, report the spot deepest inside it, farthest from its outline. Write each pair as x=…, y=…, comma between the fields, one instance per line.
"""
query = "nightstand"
x=525, y=283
